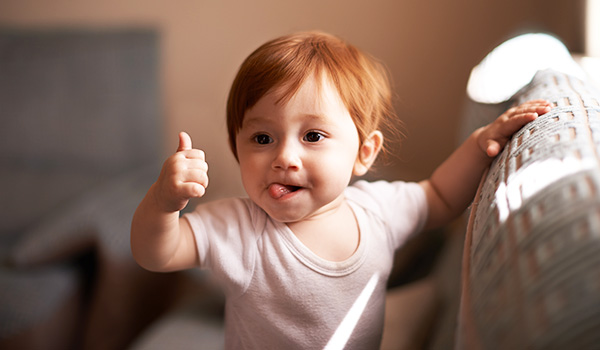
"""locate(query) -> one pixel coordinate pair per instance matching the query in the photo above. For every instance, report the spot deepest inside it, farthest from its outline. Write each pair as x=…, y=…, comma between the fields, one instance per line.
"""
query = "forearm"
x=155, y=234
x=452, y=186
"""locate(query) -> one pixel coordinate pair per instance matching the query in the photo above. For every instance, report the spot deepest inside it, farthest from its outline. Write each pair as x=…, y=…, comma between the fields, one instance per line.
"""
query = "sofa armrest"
x=532, y=253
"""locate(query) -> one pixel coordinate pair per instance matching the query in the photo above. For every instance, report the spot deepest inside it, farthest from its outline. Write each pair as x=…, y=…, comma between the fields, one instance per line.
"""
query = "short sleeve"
x=226, y=234
x=401, y=206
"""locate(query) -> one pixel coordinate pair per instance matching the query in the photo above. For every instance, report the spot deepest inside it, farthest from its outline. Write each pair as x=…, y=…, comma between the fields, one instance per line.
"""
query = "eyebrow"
x=316, y=117
x=260, y=119
x=249, y=121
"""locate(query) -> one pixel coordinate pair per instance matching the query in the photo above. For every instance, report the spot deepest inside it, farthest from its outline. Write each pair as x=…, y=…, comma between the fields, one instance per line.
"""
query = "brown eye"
x=313, y=136
x=263, y=139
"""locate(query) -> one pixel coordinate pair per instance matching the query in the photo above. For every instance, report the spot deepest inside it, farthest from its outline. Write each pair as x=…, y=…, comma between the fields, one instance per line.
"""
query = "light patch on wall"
x=507, y=69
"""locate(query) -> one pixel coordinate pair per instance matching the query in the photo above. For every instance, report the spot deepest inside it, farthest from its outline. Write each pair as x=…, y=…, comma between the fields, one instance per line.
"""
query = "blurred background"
x=94, y=93
x=428, y=46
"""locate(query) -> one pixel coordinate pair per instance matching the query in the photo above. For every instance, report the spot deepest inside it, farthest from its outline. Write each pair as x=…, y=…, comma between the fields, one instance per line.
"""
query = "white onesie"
x=280, y=295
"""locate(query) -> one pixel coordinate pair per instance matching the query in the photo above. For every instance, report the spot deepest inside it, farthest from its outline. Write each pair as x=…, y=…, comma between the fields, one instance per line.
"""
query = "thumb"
x=185, y=142
x=493, y=148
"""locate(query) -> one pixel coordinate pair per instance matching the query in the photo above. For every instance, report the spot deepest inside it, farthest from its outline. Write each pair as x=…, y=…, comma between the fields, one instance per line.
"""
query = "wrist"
x=478, y=145
x=157, y=201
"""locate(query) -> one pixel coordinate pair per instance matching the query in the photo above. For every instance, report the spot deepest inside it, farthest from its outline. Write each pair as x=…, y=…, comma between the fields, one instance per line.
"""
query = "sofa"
x=531, y=262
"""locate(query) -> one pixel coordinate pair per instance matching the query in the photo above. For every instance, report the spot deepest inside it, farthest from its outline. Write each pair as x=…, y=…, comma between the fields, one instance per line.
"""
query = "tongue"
x=277, y=190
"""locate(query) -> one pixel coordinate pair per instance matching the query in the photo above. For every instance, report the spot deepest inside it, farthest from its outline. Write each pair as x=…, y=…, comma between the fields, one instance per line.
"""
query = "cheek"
x=249, y=169
x=347, y=154
x=336, y=168
x=253, y=170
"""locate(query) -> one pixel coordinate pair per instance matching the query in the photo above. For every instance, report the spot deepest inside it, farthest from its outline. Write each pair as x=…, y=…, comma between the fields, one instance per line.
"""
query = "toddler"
x=305, y=259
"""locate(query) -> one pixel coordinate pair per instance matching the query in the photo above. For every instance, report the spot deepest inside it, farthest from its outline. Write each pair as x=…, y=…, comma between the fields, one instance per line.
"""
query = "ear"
x=367, y=153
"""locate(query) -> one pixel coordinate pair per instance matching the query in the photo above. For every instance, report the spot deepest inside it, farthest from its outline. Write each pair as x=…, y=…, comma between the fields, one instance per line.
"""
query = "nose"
x=287, y=157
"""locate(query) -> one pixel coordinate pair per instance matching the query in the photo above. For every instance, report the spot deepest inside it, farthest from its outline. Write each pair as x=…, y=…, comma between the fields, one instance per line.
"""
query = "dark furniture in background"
x=80, y=133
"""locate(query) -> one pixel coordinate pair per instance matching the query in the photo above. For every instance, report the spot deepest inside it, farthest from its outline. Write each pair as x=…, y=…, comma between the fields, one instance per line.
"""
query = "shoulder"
x=400, y=206
x=227, y=213
x=383, y=193
x=226, y=233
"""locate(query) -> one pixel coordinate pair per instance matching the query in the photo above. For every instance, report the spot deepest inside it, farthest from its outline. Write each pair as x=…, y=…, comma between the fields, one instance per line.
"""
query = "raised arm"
x=452, y=186
x=160, y=240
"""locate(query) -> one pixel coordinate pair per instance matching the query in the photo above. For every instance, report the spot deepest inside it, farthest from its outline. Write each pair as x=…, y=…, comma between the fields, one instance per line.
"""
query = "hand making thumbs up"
x=183, y=176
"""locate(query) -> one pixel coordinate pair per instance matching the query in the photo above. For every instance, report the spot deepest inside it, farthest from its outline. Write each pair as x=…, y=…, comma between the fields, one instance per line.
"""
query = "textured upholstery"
x=531, y=267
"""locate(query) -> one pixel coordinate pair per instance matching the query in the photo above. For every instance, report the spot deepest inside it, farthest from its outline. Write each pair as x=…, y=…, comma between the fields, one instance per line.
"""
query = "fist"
x=184, y=175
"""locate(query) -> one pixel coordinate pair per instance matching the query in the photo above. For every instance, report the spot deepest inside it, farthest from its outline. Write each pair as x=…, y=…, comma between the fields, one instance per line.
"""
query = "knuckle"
x=195, y=154
x=175, y=163
x=179, y=167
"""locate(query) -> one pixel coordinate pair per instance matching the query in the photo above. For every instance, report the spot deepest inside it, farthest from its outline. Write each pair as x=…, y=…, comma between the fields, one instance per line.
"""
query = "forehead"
x=316, y=98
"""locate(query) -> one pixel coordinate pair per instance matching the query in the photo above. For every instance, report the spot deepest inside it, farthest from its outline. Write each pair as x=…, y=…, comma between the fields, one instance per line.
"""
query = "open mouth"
x=277, y=191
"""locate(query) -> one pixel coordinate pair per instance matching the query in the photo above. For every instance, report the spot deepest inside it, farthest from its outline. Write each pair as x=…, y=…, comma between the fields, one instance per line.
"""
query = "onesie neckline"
x=324, y=266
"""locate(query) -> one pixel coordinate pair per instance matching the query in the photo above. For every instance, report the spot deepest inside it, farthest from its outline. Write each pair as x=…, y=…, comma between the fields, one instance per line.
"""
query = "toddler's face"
x=297, y=157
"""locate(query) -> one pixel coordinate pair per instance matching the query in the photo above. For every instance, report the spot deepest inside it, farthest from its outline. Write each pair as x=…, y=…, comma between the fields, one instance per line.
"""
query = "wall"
x=429, y=47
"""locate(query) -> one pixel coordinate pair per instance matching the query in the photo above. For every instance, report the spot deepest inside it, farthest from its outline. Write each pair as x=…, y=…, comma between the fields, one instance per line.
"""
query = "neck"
x=333, y=235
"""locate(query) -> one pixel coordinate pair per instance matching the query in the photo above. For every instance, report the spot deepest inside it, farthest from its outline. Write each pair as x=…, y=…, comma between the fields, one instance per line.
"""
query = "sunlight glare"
x=345, y=329
x=528, y=181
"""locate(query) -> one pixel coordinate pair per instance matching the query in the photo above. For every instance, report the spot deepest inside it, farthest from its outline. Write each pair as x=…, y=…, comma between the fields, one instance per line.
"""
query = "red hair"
x=287, y=61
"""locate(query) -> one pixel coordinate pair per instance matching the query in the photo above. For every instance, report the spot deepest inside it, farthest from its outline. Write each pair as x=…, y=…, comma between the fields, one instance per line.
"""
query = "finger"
x=492, y=148
x=197, y=163
x=529, y=109
x=539, y=110
x=185, y=142
x=501, y=131
x=192, y=190
x=543, y=109
x=196, y=176
x=193, y=154
x=516, y=122
x=538, y=105
x=538, y=101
